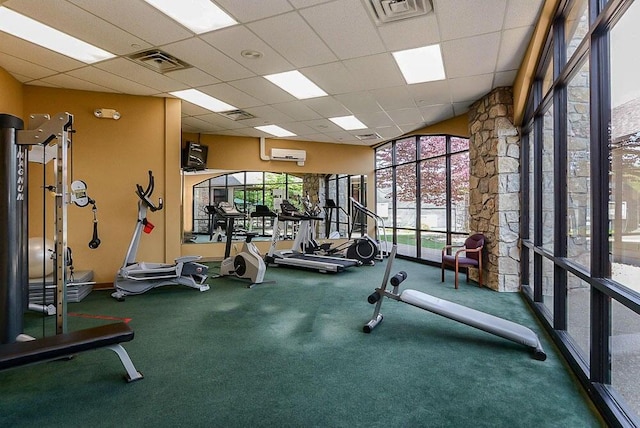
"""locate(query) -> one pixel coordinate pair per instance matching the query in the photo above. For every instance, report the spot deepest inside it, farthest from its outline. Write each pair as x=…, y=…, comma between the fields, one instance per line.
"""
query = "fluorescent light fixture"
x=203, y=100
x=420, y=64
x=296, y=84
x=35, y=32
x=275, y=130
x=348, y=123
x=200, y=16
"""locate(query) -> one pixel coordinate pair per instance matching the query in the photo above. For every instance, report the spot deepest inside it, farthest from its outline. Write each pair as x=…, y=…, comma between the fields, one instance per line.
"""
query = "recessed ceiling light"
x=296, y=84
x=200, y=16
x=275, y=130
x=348, y=123
x=203, y=100
x=421, y=64
x=35, y=32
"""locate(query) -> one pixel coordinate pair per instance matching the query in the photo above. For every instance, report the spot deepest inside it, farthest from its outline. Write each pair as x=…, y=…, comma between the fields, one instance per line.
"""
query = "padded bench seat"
x=63, y=345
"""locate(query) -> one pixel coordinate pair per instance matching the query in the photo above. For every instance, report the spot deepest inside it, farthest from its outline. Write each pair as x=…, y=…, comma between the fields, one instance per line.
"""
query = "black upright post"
x=14, y=271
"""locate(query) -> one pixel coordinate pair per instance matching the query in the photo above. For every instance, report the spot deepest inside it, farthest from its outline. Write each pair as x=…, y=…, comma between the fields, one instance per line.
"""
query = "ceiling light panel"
x=420, y=65
x=296, y=84
x=348, y=123
x=200, y=16
x=35, y=32
x=203, y=100
x=275, y=130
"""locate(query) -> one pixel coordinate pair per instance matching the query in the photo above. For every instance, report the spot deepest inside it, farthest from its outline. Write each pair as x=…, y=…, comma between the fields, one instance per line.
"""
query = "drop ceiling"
x=339, y=44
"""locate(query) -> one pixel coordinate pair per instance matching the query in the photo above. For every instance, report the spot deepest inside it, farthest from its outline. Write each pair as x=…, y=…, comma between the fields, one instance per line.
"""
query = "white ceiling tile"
x=71, y=19
x=326, y=106
x=35, y=54
x=436, y=113
x=66, y=81
x=410, y=33
x=200, y=54
x=263, y=90
x=292, y=37
x=406, y=116
x=139, y=18
x=470, y=88
x=138, y=73
x=393, y=98
x=297, y=110
x=513, y=45
x=200, y=125
x=193, y=77
x=334, y=78
x=230, y=95
x=522, y=13
x=346, y=27
x=471, y=56
x=359, y=102
x=461, y=108
x=504, y=78
x=375, y=120
x=460, y=19
x=386, y=73
x=431, y=93
x=116, y=83
x=252, y=10
x=233, y=40
x=388, y=132
x=322, y=125
x=189, y=109
x=15, y=65
x=268, y=115
x=299, y=128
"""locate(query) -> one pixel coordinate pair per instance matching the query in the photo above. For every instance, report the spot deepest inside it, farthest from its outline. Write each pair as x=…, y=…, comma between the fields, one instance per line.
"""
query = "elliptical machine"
x=140, y=277
x=248, y=263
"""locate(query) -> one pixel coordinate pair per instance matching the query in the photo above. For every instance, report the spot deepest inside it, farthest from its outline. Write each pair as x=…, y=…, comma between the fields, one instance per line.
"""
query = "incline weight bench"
x=491, y=324
x=67, y=344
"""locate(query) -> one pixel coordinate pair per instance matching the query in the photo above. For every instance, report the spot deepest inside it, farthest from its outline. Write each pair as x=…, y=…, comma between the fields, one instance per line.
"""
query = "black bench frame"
x=67, y=344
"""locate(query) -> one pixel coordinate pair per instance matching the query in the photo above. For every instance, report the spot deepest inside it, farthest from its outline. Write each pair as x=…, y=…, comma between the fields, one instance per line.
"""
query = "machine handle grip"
x=398, y=278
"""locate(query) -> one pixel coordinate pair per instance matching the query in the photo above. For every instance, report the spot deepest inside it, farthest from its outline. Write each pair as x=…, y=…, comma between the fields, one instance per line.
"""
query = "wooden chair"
x=469, y=255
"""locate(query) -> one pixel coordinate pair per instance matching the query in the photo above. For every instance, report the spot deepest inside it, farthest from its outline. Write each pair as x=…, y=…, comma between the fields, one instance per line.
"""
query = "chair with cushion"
x=467, y=256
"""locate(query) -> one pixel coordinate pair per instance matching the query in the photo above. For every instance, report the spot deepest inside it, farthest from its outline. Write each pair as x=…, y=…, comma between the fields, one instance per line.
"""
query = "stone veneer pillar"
x=494, y=187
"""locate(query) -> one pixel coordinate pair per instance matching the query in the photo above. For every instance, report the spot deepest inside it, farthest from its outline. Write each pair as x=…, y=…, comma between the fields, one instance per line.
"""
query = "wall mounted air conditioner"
x=289, y=155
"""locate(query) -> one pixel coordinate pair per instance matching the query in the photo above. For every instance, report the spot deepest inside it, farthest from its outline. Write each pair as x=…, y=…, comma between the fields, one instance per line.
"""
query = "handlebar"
x=145, y=194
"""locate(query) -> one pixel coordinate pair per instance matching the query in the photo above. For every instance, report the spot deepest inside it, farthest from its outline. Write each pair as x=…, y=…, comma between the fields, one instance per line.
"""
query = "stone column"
x=494, y=187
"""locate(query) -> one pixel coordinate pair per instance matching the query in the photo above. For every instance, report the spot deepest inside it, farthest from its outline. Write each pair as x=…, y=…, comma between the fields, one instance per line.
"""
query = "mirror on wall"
x=245, y=191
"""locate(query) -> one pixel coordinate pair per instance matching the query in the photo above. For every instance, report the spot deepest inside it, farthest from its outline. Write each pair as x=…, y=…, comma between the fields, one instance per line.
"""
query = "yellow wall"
x=10, y=95
x=458, y=126
x=111, y=157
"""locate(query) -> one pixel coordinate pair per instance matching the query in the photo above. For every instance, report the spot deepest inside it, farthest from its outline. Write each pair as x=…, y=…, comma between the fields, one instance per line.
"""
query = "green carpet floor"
x=293, y=354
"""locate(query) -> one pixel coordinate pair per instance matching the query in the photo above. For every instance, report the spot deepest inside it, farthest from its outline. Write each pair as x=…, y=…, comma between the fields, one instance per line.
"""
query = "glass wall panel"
x=624, y=186
x=547, y=283
x=548, y=181
x=433, y=197
x=460, y=192
x=533, y=217
x=547, y=79
x=384, y=156
x=433, y=145
x=406, y=209
x=578, y=169
x=459, y=144
x=579, y=313
x=625, y=354
x=405, y=150
x=576, y=25
x=432, y=243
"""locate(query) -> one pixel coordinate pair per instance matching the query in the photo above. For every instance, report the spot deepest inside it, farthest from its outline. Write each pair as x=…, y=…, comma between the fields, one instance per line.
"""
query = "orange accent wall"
x=11, y=95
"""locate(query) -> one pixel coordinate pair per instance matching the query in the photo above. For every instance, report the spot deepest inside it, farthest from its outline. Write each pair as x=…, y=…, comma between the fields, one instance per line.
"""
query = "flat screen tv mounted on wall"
x=194, y=156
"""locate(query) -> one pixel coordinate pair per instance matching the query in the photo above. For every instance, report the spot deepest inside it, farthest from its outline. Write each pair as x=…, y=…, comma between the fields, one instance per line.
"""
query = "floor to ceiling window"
x=581, y=198
x=422, y=192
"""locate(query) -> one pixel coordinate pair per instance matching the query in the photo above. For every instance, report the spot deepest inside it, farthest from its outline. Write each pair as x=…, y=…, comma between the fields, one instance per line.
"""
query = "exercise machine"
x=295, y=258
x=381, y=231
x=486, y=322
x=139, y=277
x=248, y=263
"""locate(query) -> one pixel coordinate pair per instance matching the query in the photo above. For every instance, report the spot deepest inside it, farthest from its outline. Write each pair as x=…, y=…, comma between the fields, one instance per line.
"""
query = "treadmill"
x=297, y=259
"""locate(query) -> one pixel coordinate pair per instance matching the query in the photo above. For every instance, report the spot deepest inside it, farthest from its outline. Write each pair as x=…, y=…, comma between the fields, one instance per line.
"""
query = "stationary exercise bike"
x=140, y=277
x=248, y=263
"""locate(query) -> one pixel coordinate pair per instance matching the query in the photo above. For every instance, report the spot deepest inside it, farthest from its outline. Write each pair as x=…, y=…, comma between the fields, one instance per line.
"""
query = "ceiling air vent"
x=395, y=10
x=158, y=61
x=237, y=114
x=374, y=136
